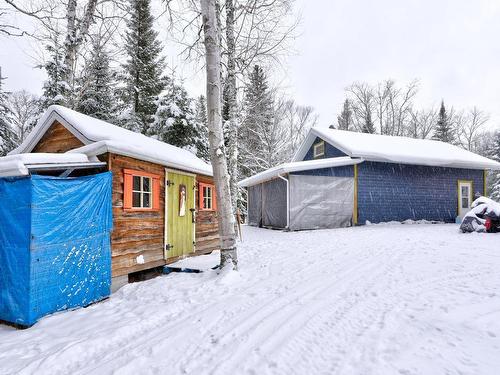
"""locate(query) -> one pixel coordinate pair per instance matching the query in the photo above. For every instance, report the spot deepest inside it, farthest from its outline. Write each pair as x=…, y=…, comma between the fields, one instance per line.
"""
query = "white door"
x=464, y=197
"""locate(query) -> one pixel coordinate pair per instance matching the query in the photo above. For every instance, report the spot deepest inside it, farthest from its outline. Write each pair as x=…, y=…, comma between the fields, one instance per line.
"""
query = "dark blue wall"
x=388, y=191
x=398, y=192
x=330, y=151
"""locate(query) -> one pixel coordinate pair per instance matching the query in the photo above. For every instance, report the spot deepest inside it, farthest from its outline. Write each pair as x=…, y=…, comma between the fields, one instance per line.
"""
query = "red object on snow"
x=488, y=224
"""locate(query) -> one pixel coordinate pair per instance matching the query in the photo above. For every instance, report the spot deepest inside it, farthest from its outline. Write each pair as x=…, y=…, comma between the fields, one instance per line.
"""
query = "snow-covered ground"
x=394, y=299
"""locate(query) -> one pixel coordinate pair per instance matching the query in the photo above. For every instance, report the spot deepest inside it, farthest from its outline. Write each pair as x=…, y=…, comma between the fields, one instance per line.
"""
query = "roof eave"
x=102, y=147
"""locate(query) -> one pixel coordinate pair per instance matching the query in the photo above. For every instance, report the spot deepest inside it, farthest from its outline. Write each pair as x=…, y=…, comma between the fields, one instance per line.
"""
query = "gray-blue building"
x=340, y=178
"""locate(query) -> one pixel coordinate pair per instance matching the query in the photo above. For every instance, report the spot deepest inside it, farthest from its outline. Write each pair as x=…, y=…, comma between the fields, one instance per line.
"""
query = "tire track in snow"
x=283, y=321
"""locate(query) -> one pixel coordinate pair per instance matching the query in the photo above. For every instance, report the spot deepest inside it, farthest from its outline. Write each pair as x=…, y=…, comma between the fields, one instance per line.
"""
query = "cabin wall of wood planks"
x=140, y=232
x=207, y=225
x=57, y=139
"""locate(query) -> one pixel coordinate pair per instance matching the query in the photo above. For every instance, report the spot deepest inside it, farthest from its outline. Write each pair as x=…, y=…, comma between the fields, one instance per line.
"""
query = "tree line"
x=388, y=108
x=105, y=59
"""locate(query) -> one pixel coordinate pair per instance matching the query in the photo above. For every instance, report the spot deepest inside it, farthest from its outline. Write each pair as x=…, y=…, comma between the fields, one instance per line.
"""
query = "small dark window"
x=319, y=149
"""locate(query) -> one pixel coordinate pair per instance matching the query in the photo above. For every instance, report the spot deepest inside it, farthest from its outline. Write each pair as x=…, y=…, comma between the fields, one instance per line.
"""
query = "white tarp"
x=320, y=202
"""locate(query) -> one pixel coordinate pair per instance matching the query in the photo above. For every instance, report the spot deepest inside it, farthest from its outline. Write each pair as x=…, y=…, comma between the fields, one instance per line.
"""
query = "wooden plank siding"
x=57, y=139
x=142, y=233
x=207, y=224
x=136, y=233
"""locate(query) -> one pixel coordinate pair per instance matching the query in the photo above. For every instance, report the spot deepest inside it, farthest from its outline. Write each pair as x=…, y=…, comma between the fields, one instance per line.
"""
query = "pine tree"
x=96, y=99
x=143, y=76
x=368, y=126
x=257, y=138
x=495, y=178
x=345, y=118
x=55, y=89
x=201, y=130
x=444, y=130
x=174, y=118
x=7, y=136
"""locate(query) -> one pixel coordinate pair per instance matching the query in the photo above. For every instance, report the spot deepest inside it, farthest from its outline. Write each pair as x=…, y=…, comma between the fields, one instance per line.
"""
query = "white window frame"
x=143, y=192
x=470, y=198
x=206, y=198
x=316, y=154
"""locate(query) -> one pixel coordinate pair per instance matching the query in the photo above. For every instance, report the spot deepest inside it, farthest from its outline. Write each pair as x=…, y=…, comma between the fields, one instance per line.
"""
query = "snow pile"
x=407, y=222
x=100, y=137
x=392, y=149
x=379, y=300
x=18, y=165
x=491, y=208
x=482, y=206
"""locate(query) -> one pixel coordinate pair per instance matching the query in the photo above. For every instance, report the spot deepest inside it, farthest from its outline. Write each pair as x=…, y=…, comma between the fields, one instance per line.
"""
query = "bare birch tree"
x=231, y=102
x=422, y=123
x=468, y=127
x=253, y=31
x=215, y=133
x=362, y=99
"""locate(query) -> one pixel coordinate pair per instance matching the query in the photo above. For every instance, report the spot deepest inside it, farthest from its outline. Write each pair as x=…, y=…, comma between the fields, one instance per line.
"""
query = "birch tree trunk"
x=232, y=104
x=77, y=31
x=215, y=133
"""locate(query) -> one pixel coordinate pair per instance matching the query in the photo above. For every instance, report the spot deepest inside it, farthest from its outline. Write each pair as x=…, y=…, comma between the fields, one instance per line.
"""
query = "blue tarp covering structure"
x=55, y=251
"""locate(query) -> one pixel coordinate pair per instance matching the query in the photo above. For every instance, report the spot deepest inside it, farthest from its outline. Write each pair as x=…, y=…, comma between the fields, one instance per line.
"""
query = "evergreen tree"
x=55, y=89
x=444, y=130
x=368, y=126
x=143, y=70
x=345, y=118
x=97, y=99
x=174, y=118
x=495, y=178
x=258, y=140
x=7, y=136
x=201, y=130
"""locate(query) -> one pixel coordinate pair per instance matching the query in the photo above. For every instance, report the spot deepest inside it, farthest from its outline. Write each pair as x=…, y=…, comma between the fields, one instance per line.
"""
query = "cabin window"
x=207, y=201
x=141, y=190
x=319, y=149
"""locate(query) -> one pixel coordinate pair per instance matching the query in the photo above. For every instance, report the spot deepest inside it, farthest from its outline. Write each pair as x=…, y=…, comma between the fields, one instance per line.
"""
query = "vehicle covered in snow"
x=484, y=216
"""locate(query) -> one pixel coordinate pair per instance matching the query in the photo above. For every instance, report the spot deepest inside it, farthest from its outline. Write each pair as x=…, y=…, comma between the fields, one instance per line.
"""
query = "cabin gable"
x=57, y=139
x=330, y=151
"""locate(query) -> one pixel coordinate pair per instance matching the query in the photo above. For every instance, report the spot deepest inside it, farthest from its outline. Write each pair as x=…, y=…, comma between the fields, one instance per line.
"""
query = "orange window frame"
x=128, y=182
x=201, y=197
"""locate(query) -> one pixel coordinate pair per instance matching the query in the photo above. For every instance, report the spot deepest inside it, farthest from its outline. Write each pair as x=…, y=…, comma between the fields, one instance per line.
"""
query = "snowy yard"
x=392, y=299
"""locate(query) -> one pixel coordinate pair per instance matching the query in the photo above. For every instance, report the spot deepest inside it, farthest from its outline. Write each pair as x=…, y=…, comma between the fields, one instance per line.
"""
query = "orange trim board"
x=128, y=175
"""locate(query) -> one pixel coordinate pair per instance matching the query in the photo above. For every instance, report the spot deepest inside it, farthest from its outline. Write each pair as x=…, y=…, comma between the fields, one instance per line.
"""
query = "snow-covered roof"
x=100, y=136
x=21, y=164
x=391, y=149
x=282, y=169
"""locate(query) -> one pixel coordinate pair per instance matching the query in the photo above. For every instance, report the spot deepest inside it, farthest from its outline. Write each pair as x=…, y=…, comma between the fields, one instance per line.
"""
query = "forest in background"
x=105, y=59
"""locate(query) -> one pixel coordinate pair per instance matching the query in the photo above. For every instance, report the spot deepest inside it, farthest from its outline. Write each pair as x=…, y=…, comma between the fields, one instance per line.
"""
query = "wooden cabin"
x=163, y=197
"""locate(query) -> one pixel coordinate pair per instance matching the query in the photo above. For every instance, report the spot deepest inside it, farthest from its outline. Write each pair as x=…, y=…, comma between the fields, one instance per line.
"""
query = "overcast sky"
x=450, y=46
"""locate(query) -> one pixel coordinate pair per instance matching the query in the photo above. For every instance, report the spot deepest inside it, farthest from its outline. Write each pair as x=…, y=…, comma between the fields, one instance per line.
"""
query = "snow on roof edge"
x=90, y=130
x=466, y=160
x=274, y=172
x=20, y=164
x=101, y=147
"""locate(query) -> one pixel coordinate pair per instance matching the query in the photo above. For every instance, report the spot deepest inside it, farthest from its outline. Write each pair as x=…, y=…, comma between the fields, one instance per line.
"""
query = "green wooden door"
x=180, y=193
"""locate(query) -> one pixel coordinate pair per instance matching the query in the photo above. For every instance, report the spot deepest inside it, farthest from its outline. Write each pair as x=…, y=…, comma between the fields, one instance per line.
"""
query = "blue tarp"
x=55, y=249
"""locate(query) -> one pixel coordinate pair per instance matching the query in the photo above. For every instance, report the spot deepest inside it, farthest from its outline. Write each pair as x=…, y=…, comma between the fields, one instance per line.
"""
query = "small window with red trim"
x=141, y=190
x=207, y=198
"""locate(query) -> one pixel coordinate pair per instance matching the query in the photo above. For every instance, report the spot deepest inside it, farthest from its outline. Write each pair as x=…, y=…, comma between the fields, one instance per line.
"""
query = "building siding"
x=388, y=191
x=346, y=171
x=330, y=151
